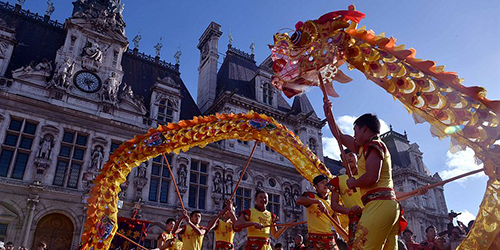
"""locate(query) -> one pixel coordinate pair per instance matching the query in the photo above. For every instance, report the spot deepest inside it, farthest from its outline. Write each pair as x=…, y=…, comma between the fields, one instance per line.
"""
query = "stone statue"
x=93, y=51
x=21, y=2
x=141, y=170
x=63, y=74
x=44, y=69
x=252, y=48
x=295, y=196
x=228, y=184
x=182, y=176
x=136, y=40
x=111, y=88
x=97, y=157
x=177, y=57
x=231, y=39
x=217, y=183
x=158, y=47
x=127, y=91
x=46, y=147
x=288, y=197
x=50, y=8
x=118, y=7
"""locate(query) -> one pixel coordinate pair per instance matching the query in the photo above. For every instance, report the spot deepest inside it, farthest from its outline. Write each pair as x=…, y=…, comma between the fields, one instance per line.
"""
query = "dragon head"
x=316, y=46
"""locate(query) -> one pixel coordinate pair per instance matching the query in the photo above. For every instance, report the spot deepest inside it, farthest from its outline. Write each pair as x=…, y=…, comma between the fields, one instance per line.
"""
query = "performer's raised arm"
x=347, y=140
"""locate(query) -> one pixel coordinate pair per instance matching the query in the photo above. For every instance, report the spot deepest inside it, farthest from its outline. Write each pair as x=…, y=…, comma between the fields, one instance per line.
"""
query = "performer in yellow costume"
x=224, y=227
x=379, y=225
x=353, y=206
x=168, y=240
x=319, y=226
x=193, y=232
x=258, y=222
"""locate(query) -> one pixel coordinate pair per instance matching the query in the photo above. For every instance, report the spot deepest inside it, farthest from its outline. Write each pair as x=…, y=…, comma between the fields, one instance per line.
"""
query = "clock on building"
x=87, y=82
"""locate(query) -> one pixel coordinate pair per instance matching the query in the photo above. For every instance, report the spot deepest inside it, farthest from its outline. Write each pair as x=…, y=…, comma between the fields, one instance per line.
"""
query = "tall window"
x=114, y=146
x=3, y=231
x=267, y=93
x=312, y=145
x=165, y=112
x=198, y=184
x=70, y=160
x=160, y=180
x=274, y=204
x=243, y=199
x=17, y=145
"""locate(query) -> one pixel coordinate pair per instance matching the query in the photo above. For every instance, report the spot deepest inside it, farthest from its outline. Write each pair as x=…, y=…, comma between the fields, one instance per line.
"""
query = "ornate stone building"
x=70, y=94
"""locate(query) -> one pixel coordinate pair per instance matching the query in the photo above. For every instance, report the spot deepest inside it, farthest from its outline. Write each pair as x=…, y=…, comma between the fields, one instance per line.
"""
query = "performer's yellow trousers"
x=378, y=227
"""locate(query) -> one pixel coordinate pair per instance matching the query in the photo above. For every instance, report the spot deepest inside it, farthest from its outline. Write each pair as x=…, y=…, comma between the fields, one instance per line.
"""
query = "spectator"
x=22, y=248
x=298, y=239
x=278, y=246
x=456, y=238
x=2, y=245
x=41, y=246
x=408, y=240
x=9, y=246
x=431, y=241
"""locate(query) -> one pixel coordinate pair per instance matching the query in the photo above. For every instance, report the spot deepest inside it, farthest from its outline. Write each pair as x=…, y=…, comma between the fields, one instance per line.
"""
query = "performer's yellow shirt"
x=167, y=236
x=224, y=231
x=348, y=196
x=318, y=222
x=191, y=239
x=265, y=218
x=375, y=145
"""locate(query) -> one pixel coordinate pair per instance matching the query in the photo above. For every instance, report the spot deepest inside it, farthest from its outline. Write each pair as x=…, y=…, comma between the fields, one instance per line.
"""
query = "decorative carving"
x=41, y=70
x=110, y=90
x=288, y=197
x=140, y=183
x=3, y=49
x=104, y=15
x=123, y=190
x=295, y=196
x=92, y=53
x=136, y=40
x=50, y=8
x=127, y=91
x=63, y=74
x=182, y=176
x=228, y=184
x=21, y=2
x=177, y=57
x=252, y=48
x=97, y=158
x=231, y=39
x=42, y=164
x=217, y=183
x=46, y=146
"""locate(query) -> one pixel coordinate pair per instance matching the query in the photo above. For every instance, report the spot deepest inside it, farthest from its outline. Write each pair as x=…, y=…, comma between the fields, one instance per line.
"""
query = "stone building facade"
x=72, y=93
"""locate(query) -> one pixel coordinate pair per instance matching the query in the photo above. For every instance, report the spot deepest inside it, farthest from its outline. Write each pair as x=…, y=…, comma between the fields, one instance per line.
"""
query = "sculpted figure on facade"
x=63, y=74
x=182, y=176
x=136, y=41
x=110, y=89
x=97, y=158
x=177, y=57
x=228, y=184
x=289, y=202
x=127, y=91
x=93, y=51
x=21, y=2
x=117, y=7
x=217, y=183
x=46, y=147
x=141, y=170
x=295, y=196
x=158, y=47
x=50, y=8
x=42, y=69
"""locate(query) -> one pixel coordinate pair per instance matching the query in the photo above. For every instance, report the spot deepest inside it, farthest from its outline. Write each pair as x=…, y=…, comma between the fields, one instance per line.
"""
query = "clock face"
x=87, y=82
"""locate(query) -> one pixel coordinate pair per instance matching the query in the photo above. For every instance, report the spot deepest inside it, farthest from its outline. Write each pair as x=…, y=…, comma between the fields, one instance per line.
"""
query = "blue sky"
x=462, y=35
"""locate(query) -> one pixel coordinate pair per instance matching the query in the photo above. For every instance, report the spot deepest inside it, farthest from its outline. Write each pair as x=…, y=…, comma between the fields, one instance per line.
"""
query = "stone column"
x=31, y=205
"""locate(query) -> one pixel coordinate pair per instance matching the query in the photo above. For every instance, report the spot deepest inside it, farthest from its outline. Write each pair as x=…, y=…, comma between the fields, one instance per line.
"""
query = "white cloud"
x=345, y=123
x=466, y=216
x=460, y=163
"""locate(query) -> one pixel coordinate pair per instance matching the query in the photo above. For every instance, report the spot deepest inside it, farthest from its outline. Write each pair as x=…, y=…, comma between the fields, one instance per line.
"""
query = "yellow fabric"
x=191, y=239
x=378, y=226
x=264, y=218
x=318, y=222
x=224, y=231
x=349, y=197
x=385, y=180
x=167, y=236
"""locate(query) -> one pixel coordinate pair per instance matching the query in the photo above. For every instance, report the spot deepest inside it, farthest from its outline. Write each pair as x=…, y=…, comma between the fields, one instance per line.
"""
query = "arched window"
x=313, y=145
x=267, y=93
x=165, y=112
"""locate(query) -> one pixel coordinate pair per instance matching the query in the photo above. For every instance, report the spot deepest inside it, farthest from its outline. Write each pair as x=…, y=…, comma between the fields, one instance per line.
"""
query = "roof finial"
x=136, y=40
x=252, y=48
x=177, y=55
x=230, y=35
x=158, y=47
x=50, y=8
x=390, y=127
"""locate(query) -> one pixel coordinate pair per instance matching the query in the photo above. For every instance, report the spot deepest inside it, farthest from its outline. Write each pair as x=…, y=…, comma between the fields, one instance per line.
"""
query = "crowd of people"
x=10, y=246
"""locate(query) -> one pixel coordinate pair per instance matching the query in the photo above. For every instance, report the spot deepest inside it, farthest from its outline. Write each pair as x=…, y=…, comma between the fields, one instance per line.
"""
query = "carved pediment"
x=7, y=214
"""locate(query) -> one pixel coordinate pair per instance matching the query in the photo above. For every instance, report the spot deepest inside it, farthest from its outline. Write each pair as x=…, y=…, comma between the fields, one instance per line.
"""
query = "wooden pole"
x=340, y=230
x=335, y=132
x=175, y=183
x=244, y=170
x=416, y=191
x=130, y=240
x=293, y=223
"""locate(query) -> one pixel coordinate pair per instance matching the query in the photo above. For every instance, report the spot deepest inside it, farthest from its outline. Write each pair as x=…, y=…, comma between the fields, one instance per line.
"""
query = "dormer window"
x=267, y=94
x=165, y=111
